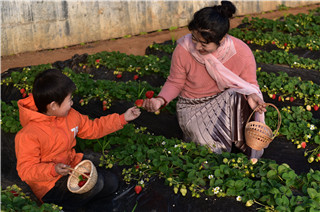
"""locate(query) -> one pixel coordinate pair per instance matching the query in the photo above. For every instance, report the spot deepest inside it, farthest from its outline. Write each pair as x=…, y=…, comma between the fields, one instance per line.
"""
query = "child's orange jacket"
x=46, y=140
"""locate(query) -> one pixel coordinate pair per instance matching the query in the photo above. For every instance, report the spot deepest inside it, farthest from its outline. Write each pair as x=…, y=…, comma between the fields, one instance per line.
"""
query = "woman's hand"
x=153, y=104
x=62, y=169
x=256, y=102
x=132, y=113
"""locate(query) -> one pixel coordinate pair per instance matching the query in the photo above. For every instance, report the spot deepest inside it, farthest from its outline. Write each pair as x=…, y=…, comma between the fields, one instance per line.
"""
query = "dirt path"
x=135, y=45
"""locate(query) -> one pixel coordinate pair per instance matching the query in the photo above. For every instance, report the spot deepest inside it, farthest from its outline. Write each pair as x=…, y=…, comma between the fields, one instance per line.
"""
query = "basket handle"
x=79, y=172
x=279, y=118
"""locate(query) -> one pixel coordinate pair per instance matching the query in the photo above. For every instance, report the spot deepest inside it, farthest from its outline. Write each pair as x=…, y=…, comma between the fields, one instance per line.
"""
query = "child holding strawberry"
x=45, y=145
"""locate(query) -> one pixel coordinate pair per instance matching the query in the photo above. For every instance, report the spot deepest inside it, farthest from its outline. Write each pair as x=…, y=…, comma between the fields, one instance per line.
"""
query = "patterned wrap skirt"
x=217, y=121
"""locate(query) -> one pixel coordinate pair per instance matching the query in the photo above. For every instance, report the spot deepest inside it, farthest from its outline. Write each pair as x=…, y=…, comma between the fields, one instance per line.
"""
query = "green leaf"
x=239, y=184
x=272, y=174
x=312, y=192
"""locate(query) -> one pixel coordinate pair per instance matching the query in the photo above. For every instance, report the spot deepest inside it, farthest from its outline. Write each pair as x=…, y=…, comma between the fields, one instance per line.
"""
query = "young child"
x=45, y=145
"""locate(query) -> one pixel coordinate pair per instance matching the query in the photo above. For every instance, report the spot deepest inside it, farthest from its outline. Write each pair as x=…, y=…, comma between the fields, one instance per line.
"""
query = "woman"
x=214, y=75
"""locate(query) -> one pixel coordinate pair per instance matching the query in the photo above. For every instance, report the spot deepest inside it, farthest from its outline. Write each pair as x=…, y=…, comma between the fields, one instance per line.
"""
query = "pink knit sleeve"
x=249, y=69
x=249, y=73
x=177, y=77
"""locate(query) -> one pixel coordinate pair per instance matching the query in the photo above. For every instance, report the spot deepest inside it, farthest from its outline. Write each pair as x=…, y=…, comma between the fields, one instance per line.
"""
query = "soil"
x=156, y=196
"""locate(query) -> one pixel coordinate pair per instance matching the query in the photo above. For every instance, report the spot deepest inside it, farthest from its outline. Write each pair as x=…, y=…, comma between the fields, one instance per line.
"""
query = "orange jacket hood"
x=28, y=111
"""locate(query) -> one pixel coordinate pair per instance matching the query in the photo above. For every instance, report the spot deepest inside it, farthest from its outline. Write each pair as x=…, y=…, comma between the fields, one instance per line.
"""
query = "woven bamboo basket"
x=73, y=180
x=258, y=135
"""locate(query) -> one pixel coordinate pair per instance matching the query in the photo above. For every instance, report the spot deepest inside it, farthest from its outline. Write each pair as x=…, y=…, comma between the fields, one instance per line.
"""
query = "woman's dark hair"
x=213, y=22
x=51, y=85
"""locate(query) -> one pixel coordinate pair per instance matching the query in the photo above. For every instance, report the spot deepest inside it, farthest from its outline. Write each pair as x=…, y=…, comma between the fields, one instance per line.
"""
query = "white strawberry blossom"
x=163, y=143
x=216, y=190
x=210, y=176
x=238, y=198
x=312, y=127
x=141, y=182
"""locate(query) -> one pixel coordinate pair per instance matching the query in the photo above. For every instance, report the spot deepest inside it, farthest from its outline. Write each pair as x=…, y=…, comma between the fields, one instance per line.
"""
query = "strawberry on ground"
x=291, y=99
x=138, y=189
x=14, y=193
x=22, y=90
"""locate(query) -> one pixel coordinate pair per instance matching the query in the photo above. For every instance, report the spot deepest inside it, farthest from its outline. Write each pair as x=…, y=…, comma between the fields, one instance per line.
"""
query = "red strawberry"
x=138, y=189
x=135, y=77
x=119, y=76
x=279, y=98
x=291, y=99
x=139, y=102
x=104, y=102
x=104, y=107
x=97, y=60
x=81, y=101
x=303, y=145
x=149, y=94
x=285, y=44
x=22, y=90
x=81, y=183
x=248, y=42
x=316, y=107
x=137, y=166
x=14, y=193
x=273, y=42
x=318, y=155
x=24, y=95
x=274, y=96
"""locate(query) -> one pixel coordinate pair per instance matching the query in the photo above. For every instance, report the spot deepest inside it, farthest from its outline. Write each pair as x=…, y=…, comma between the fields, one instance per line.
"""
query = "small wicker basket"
x=83, y=167
x=258, y=135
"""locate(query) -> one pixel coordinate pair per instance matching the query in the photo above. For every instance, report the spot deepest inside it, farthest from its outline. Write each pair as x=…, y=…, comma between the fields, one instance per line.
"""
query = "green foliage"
x=10, y=117
x=13, y=199
x=188, y=167
x=142, y=65
x=281, y=84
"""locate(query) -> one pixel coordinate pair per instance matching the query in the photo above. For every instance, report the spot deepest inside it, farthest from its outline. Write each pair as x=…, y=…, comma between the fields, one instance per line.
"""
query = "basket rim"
x=279, y=119
x=87, y=182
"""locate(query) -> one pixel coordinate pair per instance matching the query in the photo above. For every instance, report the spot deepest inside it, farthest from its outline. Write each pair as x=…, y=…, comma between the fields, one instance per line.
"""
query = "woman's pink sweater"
x=190, y=79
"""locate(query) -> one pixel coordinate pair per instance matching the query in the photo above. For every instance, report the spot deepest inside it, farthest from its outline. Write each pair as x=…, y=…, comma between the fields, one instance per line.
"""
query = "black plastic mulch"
x=156, y=196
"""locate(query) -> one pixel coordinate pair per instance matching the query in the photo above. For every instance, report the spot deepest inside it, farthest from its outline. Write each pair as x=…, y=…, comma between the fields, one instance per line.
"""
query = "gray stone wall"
x=28, y=25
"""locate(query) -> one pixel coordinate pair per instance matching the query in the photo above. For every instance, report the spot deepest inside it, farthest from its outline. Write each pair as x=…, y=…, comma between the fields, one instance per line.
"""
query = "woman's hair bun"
x=227, y=9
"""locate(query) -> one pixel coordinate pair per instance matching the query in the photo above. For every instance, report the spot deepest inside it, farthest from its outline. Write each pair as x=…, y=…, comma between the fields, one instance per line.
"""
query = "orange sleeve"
x=99, y=127
x=29, y=166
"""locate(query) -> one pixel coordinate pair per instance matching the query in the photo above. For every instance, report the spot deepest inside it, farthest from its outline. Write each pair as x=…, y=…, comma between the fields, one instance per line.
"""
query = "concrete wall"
x=28, y=25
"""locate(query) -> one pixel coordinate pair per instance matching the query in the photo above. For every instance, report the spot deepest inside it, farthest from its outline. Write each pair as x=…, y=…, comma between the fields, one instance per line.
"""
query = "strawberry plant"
x=142, y=65
x=13, y=199
x=194, y=170
x=10, y=117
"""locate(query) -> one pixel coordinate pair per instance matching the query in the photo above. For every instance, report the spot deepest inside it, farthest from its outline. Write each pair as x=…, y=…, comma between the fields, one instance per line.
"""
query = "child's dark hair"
x=213, y=22
x=51, y=85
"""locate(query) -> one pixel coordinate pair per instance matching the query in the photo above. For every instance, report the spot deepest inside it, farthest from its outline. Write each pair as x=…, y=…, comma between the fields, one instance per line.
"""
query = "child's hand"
x=62, y=169
x=132, y=113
